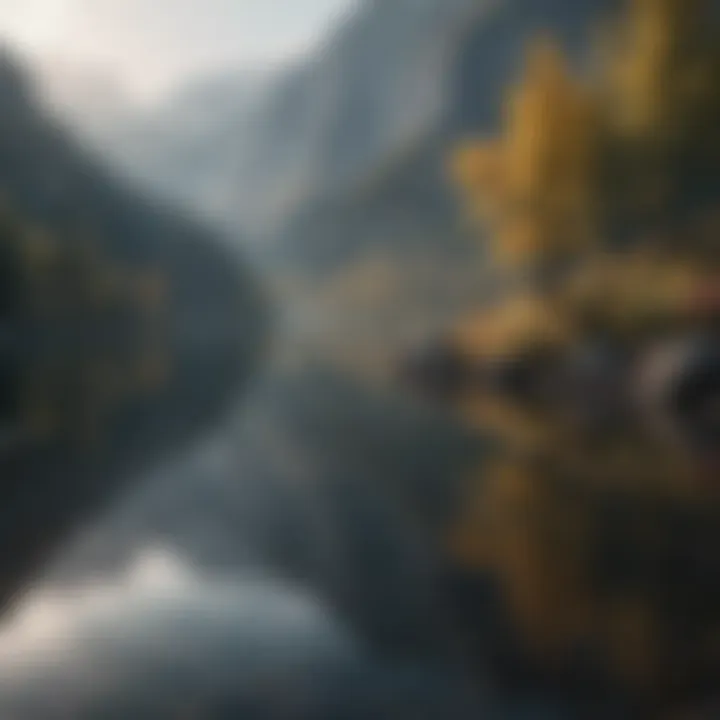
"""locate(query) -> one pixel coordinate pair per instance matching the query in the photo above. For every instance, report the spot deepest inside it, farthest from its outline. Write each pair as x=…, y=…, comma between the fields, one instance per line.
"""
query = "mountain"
x=335, y=167
x=375, y=87
x=183, y=147
x=388, y=260
x=333, y=170
x=315, y=128
x=403, y=203
x=388, y=89
x=126, y=333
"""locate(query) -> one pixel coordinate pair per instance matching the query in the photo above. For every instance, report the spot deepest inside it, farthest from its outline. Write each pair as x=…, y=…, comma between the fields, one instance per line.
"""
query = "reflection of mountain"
x=323, y=480
x=166, y=642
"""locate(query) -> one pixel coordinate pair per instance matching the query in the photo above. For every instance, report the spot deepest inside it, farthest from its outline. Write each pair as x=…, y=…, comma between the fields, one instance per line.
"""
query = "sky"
x=150, y=46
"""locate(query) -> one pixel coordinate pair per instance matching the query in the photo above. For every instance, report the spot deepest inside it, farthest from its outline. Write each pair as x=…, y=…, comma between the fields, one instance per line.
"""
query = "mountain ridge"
x=127, y=331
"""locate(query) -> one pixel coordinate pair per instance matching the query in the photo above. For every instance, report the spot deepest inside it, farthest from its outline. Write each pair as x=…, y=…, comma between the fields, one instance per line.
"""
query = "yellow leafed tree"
x=572, y=150
x=535, y=185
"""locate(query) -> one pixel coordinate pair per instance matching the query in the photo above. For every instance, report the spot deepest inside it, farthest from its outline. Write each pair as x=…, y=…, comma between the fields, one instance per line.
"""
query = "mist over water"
x=234, y=577
x=161, y=636
x=165, y=641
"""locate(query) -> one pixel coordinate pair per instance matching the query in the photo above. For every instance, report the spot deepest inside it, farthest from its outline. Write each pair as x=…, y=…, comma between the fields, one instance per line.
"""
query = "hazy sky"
x=149, y=44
